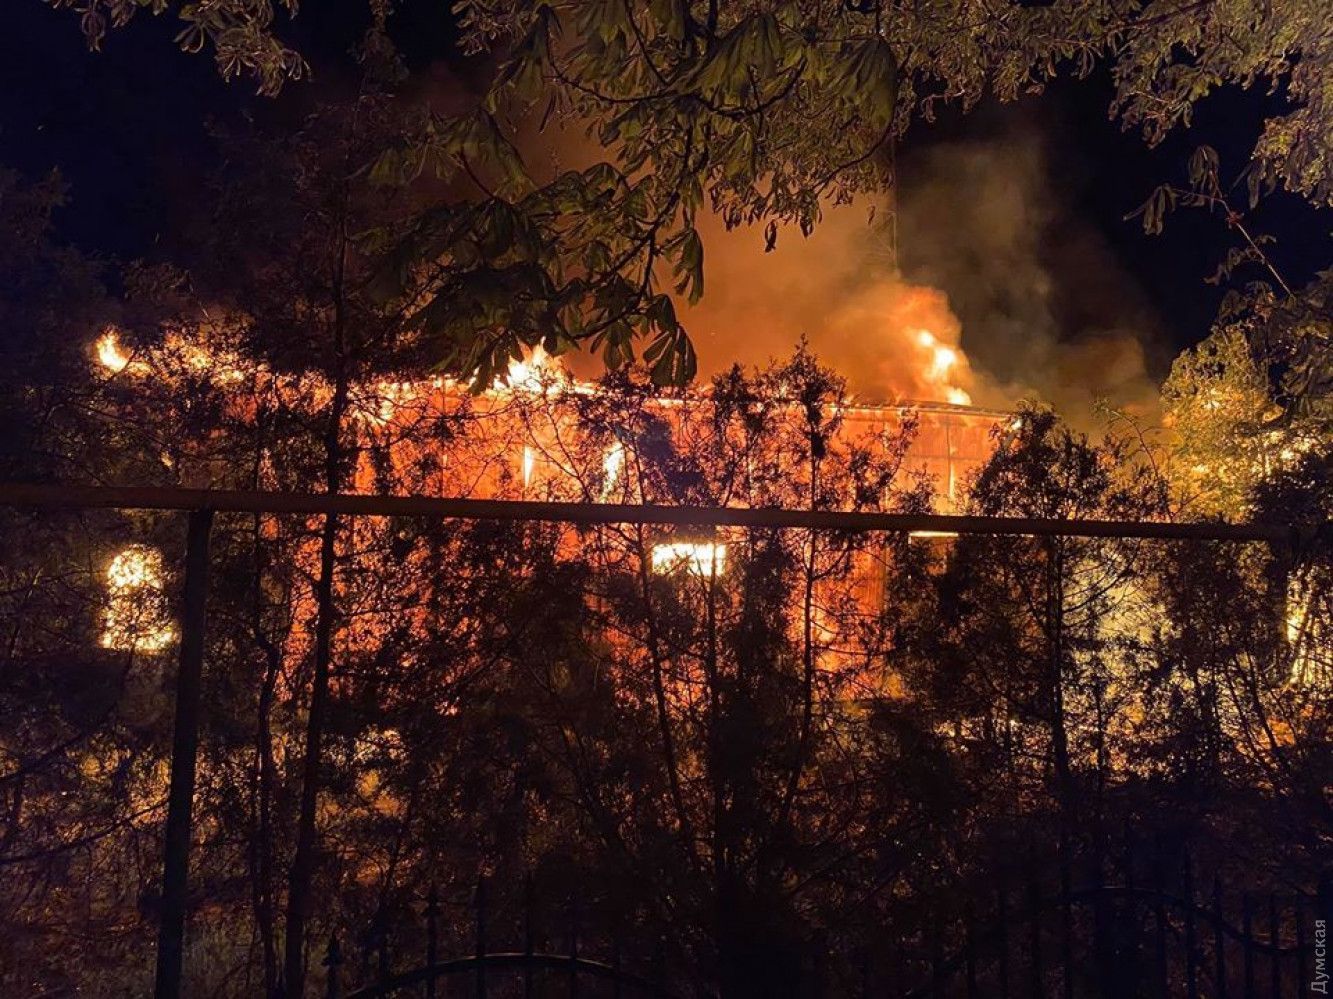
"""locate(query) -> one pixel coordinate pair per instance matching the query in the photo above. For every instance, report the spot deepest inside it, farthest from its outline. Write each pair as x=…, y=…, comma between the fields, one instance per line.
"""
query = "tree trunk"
x=261, y=853
x=1055, y=626
x=303, y=859
x=263, y=819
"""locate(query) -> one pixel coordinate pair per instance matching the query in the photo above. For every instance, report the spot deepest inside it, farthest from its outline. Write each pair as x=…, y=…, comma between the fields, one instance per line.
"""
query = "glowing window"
x=529, y=465
x=704, y=558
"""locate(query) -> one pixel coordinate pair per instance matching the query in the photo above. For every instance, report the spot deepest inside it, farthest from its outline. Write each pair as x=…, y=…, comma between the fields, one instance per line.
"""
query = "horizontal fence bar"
x=243, y=501
x=511, y=961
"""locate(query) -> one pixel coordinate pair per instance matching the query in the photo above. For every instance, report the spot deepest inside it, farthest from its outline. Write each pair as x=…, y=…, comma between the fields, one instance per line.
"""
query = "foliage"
x=50, y=296
x=768, y=758
x=760, y=113
x=1040, y=639
x=572, y=262
x=1220, y=412
x=1251, y=400
x=1168, y=60
x=239, y=31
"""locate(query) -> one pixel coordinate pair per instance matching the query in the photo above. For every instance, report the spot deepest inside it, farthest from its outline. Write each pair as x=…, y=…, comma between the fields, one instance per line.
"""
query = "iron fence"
x=1038, y=938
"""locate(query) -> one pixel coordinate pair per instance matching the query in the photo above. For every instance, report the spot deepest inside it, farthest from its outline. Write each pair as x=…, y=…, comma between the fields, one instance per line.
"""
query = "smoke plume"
x=993, y=259
x=996, y=274
x=1046, y=308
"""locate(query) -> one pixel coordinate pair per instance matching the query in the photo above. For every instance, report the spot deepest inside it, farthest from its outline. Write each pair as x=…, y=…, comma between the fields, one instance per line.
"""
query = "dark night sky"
x=127, y=127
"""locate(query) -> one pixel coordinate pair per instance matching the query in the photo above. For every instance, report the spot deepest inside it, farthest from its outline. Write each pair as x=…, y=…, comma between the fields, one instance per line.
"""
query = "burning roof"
x=949, y=438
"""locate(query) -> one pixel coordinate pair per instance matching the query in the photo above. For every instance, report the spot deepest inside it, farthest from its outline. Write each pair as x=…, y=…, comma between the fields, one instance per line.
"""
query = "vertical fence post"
x=574, y=949
x=382, y=945
x=660, y=965
x=527, y=935
x=1247, y=941
x=1161, y=971
x=1034, y=919
x=1274, y=939
x=1298, y=913
x=615, y=964
x=936, y=959
x=432, y=937
x=1124, y=944
x=184, y=754
x=1219, y=941
x=1066, y=927
x=1191, y=963
x=480, y=951
x=970, y=968
x=333, y=959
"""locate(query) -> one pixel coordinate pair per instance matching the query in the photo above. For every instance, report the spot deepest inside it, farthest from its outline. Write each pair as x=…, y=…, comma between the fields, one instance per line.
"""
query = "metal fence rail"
x=244, y=501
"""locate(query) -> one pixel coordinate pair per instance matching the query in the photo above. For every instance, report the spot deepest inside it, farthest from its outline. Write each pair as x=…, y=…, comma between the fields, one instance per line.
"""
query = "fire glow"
x=612, y=466
x=530, y=374
x=531, y=455
x=937, y=370
x=135, y=617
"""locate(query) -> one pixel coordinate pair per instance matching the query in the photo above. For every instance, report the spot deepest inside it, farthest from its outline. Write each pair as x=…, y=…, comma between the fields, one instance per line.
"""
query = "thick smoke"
x=992, y=257
x=838, y=289
x=1046, y=308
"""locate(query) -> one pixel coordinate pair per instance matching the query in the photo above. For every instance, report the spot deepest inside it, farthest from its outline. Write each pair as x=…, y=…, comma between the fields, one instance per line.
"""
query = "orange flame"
x=941, y=363
x=898, y=340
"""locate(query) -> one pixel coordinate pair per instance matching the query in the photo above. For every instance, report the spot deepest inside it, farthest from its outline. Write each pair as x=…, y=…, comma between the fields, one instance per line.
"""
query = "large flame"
x=838, y=289
x=536, y=373
x=528, y=375
x=909, y=333
x=942, y=363
x=225, y=367
x=109, y=353
x=898, y=341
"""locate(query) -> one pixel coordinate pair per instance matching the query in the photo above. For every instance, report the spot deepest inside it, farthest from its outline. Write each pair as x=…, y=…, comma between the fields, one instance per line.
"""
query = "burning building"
x=527, y=416
x=540, y=433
